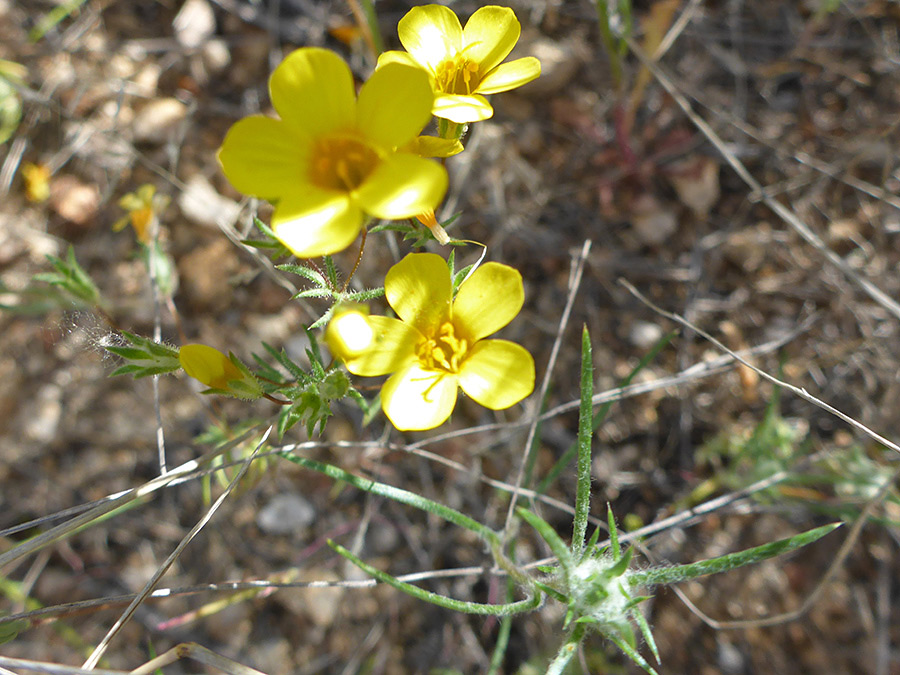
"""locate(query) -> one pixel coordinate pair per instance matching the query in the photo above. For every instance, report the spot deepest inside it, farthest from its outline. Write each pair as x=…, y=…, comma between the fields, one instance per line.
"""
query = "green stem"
x=502, y=643
x=398, y=495
x=554, y=541
x=567, y=651
x=563, y=461
x=440, y=600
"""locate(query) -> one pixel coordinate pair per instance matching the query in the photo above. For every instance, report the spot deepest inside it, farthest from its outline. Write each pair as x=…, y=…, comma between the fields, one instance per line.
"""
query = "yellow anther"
x=444, y=351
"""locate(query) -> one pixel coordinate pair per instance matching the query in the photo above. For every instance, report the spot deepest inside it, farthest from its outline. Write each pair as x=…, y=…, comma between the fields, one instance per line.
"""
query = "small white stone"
x=285, y=513
x=194, y=23
x=159, y=121
x=216, y=55
x=644, y=334
x=43, y=419
x=203, y=205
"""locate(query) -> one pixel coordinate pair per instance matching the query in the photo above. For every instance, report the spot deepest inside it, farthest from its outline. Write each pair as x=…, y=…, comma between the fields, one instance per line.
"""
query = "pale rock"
x=696, y=181
x=159, y=121
x=203, y=205
x=146, y=80
x=205, y=274
x=652, y=223
x=216, y=56
x=43, y=417
x=560, y=61
x=319, y=604
x=286, y=513
x=644, y=334
x=75, y=201
x=194, y=24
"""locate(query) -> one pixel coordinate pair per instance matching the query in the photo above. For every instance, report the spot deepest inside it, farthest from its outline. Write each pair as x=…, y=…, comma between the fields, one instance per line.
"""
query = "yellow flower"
x=221, y=373
x=437, y=344
x=37, y=182
x=464, y=64
x=142, y=205
x=331, y=157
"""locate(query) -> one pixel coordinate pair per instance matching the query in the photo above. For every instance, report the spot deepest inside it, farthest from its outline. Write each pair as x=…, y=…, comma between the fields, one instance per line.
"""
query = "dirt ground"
x=766, y=213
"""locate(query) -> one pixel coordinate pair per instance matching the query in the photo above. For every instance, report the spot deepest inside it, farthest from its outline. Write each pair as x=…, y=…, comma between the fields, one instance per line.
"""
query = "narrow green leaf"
x=554, y=541
x=127, y=352
x=645, y=628
x=505, y=609
x=9, y=631
x=552, y=592
x=632, y=653
x=331, y=272
x=585, y=432
x=621, y=565
x=125, y=370
x=155, y=370
x=563, y=462
x=613, y=531
x=398, y=495
x=559, y=663
x=281, y=356
x=589, y=549
x=306, y=272
x=322, y=320
x=313, y=293
x=500, y=645
x=679, y=573
x=363, y=296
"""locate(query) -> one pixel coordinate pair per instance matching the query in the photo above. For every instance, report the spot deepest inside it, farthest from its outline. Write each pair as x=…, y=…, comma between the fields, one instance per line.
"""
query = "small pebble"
x=285, y=513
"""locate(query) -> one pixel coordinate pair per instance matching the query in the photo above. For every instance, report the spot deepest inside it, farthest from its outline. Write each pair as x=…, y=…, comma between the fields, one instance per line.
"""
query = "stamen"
x=342, y=163
x=444, y=351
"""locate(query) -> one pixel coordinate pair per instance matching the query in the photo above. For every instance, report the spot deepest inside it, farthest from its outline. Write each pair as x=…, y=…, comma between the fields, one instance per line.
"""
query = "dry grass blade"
x=836, y=564
x=777, y=207
x=178, y=474
x=577, y=270
x=98, y=652
x=80, y=607
x=51, y=668
x=799, y=391
x=195, y=652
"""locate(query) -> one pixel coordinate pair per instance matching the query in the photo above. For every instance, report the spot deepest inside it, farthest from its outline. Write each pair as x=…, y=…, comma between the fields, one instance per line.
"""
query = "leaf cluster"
x=144, y=356
x=309, y=392
x=71, y=278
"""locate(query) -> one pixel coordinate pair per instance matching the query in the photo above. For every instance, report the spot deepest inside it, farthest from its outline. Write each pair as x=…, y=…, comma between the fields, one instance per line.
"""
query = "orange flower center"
x=342, y=163
x=444, y=351
x=457, y=75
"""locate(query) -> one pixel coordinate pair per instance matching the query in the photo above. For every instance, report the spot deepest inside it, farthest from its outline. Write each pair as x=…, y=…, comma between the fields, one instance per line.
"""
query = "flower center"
x=444, y=351
x=342, y=163
x=457, y=75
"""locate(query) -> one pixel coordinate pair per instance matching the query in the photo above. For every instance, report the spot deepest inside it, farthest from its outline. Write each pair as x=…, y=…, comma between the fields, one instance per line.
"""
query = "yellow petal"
x=208, y=365
x=462, y=109
x=394, y=104
x=418, y=288
x=432, y=146
x=349, y=333
x=392, y=347
x=261, y=157
x=402, y=186
x=490, y=35
x=396, y=57
x=510, y=75
x=497, y=374
x=313, y=92
x=312, y=222
x=488, y=300
x=431, y=34
x=415, y=399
